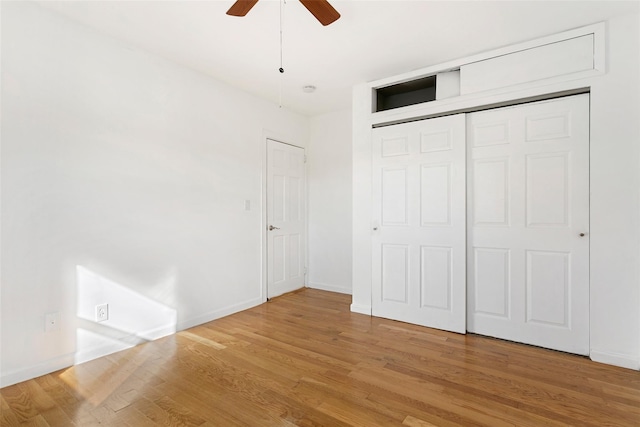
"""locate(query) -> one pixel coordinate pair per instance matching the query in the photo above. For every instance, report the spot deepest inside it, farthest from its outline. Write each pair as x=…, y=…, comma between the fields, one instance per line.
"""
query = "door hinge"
x=305, y=158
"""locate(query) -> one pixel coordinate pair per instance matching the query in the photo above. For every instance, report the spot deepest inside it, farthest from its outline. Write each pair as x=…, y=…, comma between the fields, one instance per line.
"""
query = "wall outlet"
x=102, y=312
x=51, y=321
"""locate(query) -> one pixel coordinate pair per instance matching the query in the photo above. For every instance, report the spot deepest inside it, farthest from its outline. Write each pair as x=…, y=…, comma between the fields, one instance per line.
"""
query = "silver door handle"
x=271, y=228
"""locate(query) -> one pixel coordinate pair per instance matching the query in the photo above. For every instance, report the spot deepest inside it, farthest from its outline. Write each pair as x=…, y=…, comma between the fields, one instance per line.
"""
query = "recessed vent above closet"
x=407, y=93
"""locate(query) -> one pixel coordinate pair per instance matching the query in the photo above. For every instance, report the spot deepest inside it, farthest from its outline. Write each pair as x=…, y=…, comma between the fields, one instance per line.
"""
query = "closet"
x=480, y=223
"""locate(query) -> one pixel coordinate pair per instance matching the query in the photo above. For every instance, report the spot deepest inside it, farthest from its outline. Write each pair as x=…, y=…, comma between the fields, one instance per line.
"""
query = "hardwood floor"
x=303, y=359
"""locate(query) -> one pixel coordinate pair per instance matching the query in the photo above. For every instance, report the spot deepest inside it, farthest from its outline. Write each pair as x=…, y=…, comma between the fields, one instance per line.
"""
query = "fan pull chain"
x=281, y=69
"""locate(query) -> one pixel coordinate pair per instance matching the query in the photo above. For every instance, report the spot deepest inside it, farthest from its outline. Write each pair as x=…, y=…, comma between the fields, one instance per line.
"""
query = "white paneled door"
x=285, y=218
x=418, y=229
x=528, y=223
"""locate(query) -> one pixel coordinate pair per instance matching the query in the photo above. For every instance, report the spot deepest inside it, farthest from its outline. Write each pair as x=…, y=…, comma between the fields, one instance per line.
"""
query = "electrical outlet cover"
x=102, y=312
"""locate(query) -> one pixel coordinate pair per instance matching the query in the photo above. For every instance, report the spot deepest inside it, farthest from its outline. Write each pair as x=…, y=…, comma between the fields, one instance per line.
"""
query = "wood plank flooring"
x=304, y=360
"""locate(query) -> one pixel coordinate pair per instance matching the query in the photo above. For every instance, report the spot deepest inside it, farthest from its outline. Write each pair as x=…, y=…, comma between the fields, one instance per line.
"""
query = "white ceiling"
x=372, y=39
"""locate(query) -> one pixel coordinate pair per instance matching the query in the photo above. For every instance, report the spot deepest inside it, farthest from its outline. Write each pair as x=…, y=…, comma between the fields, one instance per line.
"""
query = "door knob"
x=271, y=228
x=582, y=234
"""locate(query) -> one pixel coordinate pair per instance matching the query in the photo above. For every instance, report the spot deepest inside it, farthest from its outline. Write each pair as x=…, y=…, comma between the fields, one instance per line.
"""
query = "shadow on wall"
x=132, y=318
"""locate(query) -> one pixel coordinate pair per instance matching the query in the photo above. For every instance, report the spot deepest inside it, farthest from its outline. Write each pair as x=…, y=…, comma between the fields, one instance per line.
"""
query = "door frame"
x=275, y=136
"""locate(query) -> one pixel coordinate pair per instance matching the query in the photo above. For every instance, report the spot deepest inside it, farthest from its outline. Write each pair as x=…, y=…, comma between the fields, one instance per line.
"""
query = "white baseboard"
x=95, y=352
x=114, y=344
x=362, y=309
x=217, y=314
x=622, y=360
x=330, y=288
x=159, y=332
x=24, y=374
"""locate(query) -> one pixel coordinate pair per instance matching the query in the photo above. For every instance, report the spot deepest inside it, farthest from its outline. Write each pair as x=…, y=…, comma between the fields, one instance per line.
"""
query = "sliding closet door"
x=528, y=222
x=418, y=228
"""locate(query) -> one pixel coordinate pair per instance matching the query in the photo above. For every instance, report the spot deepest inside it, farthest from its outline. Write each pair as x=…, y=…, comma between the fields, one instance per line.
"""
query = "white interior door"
x=528, y=223
x=418, y=230
x=285, y=218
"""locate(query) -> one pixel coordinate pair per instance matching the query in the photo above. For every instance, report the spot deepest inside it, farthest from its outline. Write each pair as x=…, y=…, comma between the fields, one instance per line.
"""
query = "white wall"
x=329, y=184
x=615, y=202
x=615, y=179
x=123, y=180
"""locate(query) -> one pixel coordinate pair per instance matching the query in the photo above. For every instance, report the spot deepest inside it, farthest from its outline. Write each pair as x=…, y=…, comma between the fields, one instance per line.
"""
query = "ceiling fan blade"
x=241, y=7
x=322, y=10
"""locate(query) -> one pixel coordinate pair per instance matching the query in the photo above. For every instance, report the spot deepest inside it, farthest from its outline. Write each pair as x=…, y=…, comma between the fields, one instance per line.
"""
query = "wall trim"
x=217, y=314
x=24, y=374
x=123, y=343
x=362, y=309
x=102, y=350
x=622, y=360
x=330, y=288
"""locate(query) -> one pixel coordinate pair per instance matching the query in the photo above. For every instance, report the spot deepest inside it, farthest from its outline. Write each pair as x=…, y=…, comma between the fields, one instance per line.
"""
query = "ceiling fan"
x=321, y=9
